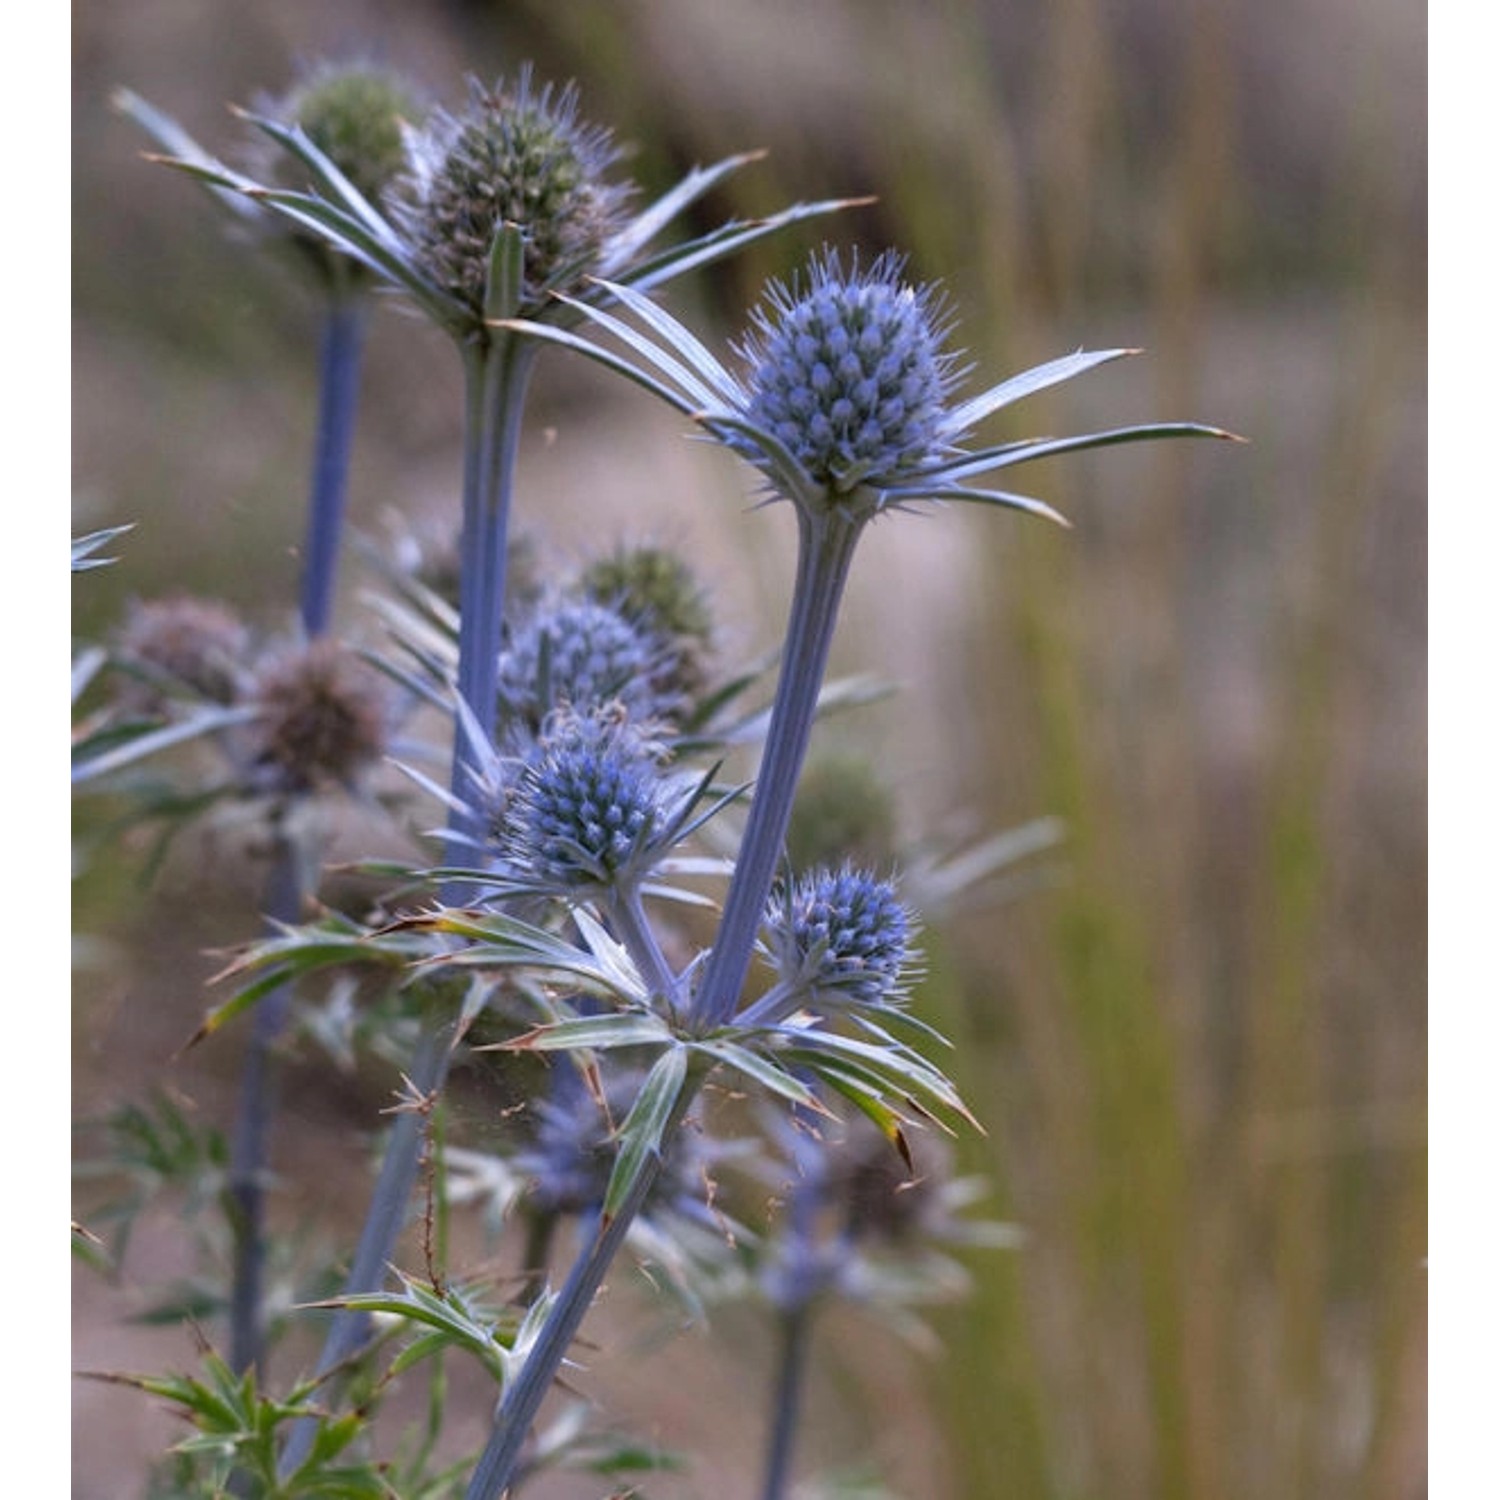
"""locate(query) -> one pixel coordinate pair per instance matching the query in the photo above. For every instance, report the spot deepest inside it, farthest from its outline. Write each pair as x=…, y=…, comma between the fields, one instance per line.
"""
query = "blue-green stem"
x=629, y=918
x=796, y=1340
x=495, y=378
x=826, y=543
x=248, y=1153
x=495, y=375
x=500, y=1461
x=338, y=400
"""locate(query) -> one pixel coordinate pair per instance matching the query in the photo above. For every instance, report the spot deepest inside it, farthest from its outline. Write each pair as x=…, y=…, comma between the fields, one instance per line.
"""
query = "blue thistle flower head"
x=843, y=401
x=841, y=934
x=588, y=807
x=585, y=655
x=848, y=371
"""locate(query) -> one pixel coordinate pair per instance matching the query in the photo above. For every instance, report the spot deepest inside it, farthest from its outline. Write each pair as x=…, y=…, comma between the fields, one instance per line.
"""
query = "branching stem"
x=826, y=543
x=826, y=549
x=495, y=374
x=250, y=1146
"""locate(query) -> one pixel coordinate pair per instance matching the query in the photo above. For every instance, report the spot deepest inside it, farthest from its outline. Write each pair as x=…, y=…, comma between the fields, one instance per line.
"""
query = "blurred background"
x=1198, y=1045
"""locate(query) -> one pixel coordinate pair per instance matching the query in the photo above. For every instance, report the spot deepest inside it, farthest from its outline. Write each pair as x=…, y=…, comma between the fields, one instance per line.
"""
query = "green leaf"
x=626, y=1029
x=875, y=1109
x=304, y=950
x=640, y=1137
x=450, y=1314
x=891, y=1069
x=500, y=941
x=762, y=1070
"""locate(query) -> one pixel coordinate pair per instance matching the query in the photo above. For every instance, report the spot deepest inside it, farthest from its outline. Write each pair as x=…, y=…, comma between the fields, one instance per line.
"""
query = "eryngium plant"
x=846, y=409
x=504, y=205
x=568, y=813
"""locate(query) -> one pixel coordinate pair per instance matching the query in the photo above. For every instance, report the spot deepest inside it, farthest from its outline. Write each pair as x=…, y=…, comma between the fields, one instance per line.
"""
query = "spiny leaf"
x=762, y=1070
x=640, y=1136
x=626, y=1029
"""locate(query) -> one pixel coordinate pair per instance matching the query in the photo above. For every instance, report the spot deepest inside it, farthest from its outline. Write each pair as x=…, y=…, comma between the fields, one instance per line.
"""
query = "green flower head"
x=357, y=116
x=518, y=155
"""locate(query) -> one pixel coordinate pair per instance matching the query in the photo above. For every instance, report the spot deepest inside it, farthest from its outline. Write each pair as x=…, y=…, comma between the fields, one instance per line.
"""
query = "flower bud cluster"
x=356, y=115
x=656, y=591
x=580, y=654
x=843, y=812
x=179, y=644
x=319, y=713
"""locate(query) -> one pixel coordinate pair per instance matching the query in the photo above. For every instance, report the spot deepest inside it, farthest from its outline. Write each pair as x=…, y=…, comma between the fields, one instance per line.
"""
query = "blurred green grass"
x=1199, y=1056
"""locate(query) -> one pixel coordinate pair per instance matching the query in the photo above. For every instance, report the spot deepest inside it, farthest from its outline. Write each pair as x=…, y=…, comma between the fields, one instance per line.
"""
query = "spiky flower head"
x=181, y=643
x=655, y=589
x=323, y=718
x=840, y=934
x=587, y=807
x=356, y=114
x=843, y=812
x=848, y=372
x=583, y=655
x=519, y=155
x=882, y=1196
